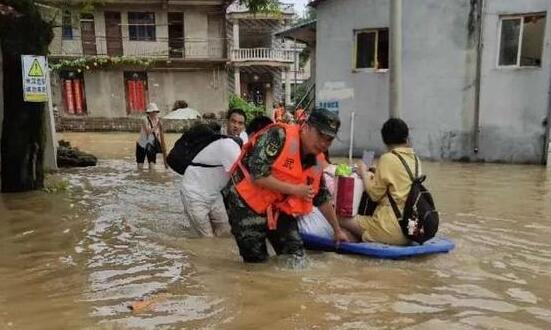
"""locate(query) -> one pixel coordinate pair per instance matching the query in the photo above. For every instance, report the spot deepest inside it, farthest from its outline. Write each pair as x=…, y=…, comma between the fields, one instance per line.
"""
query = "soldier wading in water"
x=277, y=178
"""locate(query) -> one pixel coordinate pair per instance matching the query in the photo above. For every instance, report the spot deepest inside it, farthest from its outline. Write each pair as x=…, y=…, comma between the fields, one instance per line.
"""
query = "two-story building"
x=113, y=58
x=262, y=66
x=475, y=75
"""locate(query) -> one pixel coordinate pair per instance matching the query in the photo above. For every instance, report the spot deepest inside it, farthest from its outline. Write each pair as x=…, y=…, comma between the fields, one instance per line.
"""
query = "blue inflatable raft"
x=377, y=250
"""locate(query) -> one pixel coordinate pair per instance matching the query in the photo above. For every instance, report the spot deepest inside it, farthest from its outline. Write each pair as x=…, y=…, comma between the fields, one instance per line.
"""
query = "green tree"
x=261, y=5
x=251, y=110
x=23, y=127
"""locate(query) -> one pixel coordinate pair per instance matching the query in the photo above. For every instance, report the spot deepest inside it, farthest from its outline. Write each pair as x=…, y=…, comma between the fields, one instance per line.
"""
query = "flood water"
x=76, y=259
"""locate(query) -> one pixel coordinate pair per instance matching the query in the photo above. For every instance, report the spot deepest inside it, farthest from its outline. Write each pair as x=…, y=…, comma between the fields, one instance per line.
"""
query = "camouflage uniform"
x=250, y=229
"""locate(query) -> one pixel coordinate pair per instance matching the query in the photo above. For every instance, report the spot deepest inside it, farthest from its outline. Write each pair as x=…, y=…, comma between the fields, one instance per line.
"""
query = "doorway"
x=88, y=32
x=113, y=33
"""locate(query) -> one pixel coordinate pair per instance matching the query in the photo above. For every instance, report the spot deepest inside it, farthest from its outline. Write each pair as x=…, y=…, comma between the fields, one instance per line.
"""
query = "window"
x=521, y=40
x=136, y=91
x=66, y=26
x=73, y=92
x=141, y=26
x=371, y=49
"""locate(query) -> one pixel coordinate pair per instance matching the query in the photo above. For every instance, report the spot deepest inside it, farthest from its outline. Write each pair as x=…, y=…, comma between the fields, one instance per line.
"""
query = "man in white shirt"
x=203, y=205
x=235, y=124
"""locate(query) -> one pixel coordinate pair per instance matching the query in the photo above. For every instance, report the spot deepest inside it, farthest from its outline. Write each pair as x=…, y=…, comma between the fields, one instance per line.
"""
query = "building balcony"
x=213, y=49
x=262, y=56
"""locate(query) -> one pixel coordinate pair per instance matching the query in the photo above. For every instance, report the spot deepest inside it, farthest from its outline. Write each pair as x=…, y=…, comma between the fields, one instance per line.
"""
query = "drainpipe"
x=476, y=128
x=547, y=144
x=395, y=81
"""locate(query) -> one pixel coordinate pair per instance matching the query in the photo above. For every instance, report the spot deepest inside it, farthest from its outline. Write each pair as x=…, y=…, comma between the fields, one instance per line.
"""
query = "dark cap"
x=327, y=122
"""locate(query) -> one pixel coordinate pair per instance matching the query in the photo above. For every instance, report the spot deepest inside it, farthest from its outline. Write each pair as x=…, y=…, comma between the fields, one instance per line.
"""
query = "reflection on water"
x=79, y=259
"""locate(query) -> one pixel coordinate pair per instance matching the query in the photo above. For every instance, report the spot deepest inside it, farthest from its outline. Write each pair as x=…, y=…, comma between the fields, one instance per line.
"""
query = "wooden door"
x=88, y=35
x=113, y=33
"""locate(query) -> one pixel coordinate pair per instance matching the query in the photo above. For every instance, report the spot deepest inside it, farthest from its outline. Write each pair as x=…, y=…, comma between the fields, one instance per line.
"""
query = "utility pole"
x=395, y=81
x=295, y=60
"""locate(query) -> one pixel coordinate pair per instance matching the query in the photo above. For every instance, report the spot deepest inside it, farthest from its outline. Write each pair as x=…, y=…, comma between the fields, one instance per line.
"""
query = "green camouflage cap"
x=327, y=122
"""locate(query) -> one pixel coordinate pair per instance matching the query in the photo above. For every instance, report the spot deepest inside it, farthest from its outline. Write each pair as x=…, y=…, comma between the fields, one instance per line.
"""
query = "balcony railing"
x=236, y=7
x=185, y=48
x=262, y=55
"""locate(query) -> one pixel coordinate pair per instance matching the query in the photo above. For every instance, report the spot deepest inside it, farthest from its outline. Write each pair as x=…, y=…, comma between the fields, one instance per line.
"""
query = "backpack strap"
x=390, y=199
x=217, y=137
x=152, y=127
x=403, y=161
x=397, y=212
x=203, y=165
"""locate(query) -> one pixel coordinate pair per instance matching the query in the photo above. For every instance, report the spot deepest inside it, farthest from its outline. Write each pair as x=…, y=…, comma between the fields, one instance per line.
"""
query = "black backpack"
x=190, y=144
x=420, y=220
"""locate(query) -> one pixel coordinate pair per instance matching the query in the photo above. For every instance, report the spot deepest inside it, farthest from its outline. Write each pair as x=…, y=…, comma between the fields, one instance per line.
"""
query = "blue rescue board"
x=378, y=250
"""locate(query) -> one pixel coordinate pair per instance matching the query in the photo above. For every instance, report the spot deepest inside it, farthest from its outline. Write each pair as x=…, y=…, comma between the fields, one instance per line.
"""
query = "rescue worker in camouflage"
x=257, y=176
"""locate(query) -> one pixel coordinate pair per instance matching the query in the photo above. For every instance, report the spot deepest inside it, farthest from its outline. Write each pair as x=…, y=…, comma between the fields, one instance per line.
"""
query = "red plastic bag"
x=349, y=193
x=345, y=196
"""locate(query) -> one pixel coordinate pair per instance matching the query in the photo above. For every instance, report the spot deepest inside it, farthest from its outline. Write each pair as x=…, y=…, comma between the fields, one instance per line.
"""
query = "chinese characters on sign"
x=35, y=83
x=330, y=105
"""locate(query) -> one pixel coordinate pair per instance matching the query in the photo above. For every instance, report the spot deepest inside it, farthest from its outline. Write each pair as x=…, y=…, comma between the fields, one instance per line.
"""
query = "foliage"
x=57, y=185
x=308, y=16
x=300, y=92
x=261, y=5
x=251, y=110
x=304, y=56
x=27, y=33
x=89, y=6
x=92, y=63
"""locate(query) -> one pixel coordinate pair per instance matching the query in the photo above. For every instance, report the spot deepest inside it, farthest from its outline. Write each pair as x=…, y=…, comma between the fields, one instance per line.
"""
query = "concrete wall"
x=365, y=93
x=66, y=47
x=439, y=72
x=200, y=25
x=514, y=101
x=105, y=94
x=1, y=105
x=204, y=90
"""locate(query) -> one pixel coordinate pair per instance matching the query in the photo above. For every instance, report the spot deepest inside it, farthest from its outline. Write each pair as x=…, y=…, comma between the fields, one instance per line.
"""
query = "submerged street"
x=79, y=257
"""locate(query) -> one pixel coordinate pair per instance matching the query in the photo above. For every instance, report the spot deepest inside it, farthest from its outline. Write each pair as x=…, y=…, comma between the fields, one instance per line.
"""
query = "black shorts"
x=141, y=153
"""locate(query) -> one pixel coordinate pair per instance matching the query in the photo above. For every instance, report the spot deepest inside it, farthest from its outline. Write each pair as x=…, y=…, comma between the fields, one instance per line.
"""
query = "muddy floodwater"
x=77, y=258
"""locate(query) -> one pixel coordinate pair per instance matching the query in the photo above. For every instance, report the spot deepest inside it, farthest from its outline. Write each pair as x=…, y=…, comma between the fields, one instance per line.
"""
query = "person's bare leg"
x=352, y=227
x=351, y=237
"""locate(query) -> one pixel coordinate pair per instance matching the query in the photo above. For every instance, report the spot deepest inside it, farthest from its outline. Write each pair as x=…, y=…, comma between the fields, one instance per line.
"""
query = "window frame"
x=375, y=68
x=137, y=36
x=520, y=40
x=67, y=27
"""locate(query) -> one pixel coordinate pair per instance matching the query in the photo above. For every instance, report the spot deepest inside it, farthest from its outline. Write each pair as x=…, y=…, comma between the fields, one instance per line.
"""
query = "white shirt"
x=206, y=182
x=244, y=137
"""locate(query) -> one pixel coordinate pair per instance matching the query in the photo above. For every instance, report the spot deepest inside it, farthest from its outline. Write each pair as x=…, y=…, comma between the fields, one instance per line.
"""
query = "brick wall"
x=125, y=124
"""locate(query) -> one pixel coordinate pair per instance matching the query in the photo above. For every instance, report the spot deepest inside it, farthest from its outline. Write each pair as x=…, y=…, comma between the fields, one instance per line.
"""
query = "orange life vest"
x=288, y=168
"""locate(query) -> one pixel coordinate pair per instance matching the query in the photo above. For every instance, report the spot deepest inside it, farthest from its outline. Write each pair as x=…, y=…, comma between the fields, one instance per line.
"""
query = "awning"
x=305, y=33
x=183, y=113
